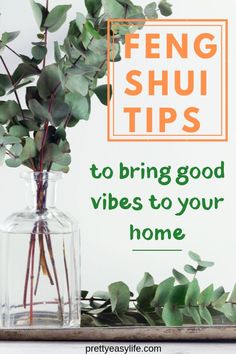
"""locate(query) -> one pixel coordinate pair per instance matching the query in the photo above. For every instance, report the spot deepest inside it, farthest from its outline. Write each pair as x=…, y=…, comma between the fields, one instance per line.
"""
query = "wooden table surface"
x=200, y=333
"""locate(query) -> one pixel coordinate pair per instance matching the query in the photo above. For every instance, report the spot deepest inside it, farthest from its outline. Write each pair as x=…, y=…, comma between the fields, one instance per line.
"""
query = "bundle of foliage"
x=176, y=301
x=58, y=95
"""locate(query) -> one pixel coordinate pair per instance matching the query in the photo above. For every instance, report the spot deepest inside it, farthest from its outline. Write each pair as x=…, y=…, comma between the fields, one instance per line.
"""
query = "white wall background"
x=106, y=249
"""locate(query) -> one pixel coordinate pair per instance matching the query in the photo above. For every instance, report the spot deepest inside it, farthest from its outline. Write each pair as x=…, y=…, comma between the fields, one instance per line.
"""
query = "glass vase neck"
x=41, y=190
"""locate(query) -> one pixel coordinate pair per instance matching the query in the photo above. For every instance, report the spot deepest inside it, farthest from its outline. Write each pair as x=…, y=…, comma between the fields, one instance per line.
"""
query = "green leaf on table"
x=29, y=150
x=120, y=296
x=205, y=315
x=165, y=8
x=113, y=9
x=194, y=313
x=163, y=291
x=145, y=298
x=146, y=281
x=218, y=293
x=8, y=110
x=13, y=162
x=56, y=17
x=229, y=311
x=49, y=82
x=93, y=7
x=192, y=293
x=181, y=278
x=18, y=131
x=102, y=94
x=190, y=269
x=39, y=52
x=233, y=295
x=79, y=105
x=206, y=296
x=150, y=10
x=171, y=315
x=178, y=294
x=220, y=301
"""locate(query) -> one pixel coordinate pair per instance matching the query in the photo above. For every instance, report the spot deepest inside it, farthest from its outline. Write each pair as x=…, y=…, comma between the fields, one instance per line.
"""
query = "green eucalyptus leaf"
x=165, y=8
x=18, y=131
x=38, y=12
x=113, y=9
x=218, y=293
x=194, y=256
x=192, y=293
x=163, y=291
x=77, y=84
x=206, y=296
x=93, y=7
x=233, y=295
x=16, y=149
x=29, y=150
x=2, y=130
x=13, y=162
x=120, y=295
x=8, y=37
x=5, y=84
x=39, y=52
x=205, y=315
x=9, y=140
x=57, y=52
x=194, y=313
x=171, y=315
x=178, y=294
x=181, y=278
x=145, y=298
x=150, y=10
x=22, y=83
x=229, y=311
x=89, y=27
x=23, y=71
x=56, y=17
x=79, y=105
x=39, y=111
x=59, y=168
x=205, y=264
x=220, y=301
x=59, y=112
x=80, y=21
x=146, y=281
x=8, y=110
x=190, y=269
x=49, y=82
x=102, y=94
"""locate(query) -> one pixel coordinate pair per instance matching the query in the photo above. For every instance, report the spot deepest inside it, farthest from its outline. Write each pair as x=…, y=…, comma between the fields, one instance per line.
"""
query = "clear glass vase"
x=40, y=263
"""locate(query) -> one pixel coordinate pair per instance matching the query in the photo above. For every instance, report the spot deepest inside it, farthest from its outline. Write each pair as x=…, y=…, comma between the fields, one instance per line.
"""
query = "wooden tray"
x=201, y=333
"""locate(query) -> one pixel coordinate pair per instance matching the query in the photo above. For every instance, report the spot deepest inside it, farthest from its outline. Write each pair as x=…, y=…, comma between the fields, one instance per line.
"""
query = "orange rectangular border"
x=225, y=21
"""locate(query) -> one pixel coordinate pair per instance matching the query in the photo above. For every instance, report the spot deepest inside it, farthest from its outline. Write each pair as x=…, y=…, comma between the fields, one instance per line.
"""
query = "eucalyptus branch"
x=13, y=84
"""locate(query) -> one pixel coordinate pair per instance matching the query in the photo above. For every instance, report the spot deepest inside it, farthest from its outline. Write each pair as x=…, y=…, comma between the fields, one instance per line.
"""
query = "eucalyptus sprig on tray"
x=176, y=301
x=58, y=95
